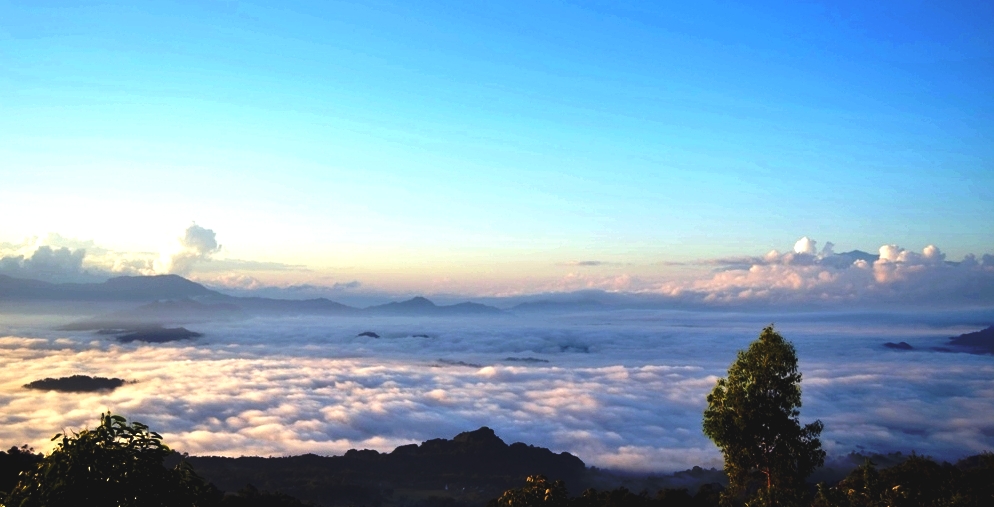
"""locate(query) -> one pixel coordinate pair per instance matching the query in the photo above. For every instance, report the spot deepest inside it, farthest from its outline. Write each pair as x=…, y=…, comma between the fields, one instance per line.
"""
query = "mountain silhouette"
x=423, y=306
x=477, y=463
x=122, y=288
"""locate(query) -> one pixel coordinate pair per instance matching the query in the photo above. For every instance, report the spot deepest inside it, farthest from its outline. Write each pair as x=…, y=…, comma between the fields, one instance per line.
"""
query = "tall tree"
x=752, y=417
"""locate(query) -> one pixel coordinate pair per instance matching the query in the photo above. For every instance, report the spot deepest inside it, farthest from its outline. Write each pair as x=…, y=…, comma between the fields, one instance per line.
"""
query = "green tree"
x=752, y=417
x=115, y=464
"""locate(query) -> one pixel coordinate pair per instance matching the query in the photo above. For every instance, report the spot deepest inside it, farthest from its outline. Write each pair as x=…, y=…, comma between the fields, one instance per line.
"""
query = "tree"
x=117, y=464
x=538, y=492
x=752, y=417
x=12, y=463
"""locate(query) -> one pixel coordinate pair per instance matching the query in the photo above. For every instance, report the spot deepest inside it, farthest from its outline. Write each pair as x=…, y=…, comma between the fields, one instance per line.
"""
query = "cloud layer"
x=621, y=389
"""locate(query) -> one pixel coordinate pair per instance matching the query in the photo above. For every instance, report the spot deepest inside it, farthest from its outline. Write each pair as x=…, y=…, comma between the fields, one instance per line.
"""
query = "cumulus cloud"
x=47, y=263
x=198, y=244
x=56, y=258
x=806, y=245
x=622, y=390
x=894, y=275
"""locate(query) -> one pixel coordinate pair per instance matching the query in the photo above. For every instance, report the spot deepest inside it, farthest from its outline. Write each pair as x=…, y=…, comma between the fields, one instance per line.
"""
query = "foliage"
x=117, y=464
x=12, y=463
x=249, y=496
x=918, y=481
x=752, y=417
x=537, y=492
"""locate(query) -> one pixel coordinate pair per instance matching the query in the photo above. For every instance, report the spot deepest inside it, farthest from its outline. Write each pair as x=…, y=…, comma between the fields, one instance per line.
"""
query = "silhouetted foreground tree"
x=540, y=492
x=918, y=481
x=115, y=464
x=752, y=417
x=12, y=463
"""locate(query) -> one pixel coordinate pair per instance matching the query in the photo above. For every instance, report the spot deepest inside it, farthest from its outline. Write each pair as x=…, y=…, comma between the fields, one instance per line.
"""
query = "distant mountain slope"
x=559, y=306
x=979, y=342
x=423, y=306
x=283, y=306
x=171, y=299
x=123, y=288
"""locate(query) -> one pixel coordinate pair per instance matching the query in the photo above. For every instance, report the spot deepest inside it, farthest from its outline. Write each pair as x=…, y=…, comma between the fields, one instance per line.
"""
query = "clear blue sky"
x=427, y=135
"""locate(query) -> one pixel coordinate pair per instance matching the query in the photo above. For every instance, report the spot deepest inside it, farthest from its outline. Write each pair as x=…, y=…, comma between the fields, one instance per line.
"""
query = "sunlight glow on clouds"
x=197, y=245
x=803, y=276
x=895, y=275
x=621, y=389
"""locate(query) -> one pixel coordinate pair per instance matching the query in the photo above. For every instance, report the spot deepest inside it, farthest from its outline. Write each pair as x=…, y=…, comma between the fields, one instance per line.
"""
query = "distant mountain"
x=123, y=288
x=860, y=255
x=170, y=299
x=292, y=306
x=423, y=306
x=559, y=306
x=979, y=342
x=160, y=313
x=579, y=301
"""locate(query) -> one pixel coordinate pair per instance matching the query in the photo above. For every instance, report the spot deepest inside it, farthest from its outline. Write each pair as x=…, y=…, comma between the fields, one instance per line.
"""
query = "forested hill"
x=474, y=467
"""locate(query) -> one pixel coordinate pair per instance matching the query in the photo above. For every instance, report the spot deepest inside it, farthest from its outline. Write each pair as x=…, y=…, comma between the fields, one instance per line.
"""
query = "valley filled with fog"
x=621, y=389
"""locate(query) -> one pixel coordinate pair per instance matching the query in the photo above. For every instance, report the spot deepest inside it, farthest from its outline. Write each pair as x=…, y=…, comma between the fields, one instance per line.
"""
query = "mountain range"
x=170, y=299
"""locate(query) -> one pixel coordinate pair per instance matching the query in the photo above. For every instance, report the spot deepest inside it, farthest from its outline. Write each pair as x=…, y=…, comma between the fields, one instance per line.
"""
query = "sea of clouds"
x=621, y=389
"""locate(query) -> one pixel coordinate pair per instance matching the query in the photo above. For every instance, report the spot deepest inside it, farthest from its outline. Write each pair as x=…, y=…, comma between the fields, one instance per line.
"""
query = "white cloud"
x=806, y=245
x=621, y=389
x=895, y=276
x=47, y=263
x=198, y=244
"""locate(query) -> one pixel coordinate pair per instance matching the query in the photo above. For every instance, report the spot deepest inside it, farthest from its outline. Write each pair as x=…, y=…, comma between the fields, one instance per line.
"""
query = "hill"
x=474, y=467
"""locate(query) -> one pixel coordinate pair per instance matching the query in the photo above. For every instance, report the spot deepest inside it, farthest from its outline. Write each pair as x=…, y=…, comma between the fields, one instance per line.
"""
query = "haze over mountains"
x=169, y=298
x=163, y=299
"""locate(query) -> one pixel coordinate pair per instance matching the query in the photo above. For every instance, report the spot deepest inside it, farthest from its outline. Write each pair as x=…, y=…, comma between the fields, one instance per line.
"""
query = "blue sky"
x=411, y=142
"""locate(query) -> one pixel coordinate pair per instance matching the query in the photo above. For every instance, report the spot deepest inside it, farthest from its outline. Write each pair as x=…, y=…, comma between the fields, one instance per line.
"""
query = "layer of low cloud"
x=622, y=389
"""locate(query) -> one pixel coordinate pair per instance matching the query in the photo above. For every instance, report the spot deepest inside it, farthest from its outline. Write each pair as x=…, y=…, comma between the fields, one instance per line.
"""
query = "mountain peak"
x=483, y=435
x=418, y=301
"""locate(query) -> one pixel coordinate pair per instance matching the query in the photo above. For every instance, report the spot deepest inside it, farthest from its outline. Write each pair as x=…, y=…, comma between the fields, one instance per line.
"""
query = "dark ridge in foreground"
x=76, y=384
x=474, y=467
x=158, y=335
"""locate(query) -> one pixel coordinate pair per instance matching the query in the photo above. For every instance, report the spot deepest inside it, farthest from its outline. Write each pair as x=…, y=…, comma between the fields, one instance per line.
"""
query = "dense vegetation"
x=116, y=464
x=752, y=417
